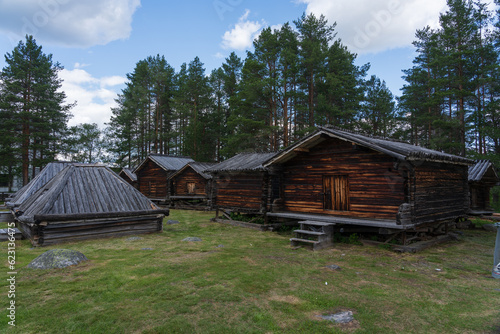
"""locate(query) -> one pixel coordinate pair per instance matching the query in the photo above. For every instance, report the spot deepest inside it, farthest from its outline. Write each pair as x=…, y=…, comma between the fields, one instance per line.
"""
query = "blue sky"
x=99, y=41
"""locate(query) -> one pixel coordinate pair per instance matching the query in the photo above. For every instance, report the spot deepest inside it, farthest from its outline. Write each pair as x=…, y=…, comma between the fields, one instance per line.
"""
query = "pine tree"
x=378, y=110
x=31, y=96
x=84, y=143
x=341, y=93
x=314, y=36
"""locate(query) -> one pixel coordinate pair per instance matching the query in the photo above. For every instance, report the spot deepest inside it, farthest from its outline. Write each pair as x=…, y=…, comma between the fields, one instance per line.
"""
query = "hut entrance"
x=191, y=186
x=336, y=192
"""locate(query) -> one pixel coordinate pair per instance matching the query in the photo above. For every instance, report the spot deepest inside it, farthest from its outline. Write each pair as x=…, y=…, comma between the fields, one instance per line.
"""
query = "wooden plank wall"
x=55, y=233
x=439, y=192
x=190, y=176
x=375, y=189
x=240, y=191
x=152, y=180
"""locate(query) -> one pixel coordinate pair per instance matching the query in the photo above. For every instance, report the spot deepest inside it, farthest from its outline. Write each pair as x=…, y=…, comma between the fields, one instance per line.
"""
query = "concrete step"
x=306, y=241
x=315, y=223
x=309, y=232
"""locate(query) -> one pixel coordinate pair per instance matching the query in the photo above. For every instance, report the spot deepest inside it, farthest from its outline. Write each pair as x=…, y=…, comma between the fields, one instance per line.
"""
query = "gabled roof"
x=479, y=170
x=242, y=162
x=168, y=162
x=395, y=149
x=84, y=191
x=198, y=167
x=129, y=173
x=45, y=175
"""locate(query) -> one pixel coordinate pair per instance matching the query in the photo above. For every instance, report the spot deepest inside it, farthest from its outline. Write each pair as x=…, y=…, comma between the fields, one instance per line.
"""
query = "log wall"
x=376, y=190
x=241, y=191
x=49, y=233
x=152, y=180
x=181, y=181
x=439, y=192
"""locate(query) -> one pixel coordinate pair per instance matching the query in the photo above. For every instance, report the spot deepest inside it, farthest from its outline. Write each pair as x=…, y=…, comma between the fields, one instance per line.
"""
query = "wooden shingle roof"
x=45, y=175
x=167, y=162
x=479, y=170
x=85, y=191
x=198, y=167
x=395, y=149
x=129, y=173
x=242, y=162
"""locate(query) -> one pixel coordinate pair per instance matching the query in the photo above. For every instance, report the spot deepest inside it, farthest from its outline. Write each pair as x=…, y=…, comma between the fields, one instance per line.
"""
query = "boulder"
x=339, y=318
x=172, y=222
x=333, y=267
x=57, y=258
x=191, y=239
x=490, y=227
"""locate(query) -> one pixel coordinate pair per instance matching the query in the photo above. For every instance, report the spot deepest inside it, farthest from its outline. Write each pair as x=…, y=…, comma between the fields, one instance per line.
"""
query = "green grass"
x=240, y=280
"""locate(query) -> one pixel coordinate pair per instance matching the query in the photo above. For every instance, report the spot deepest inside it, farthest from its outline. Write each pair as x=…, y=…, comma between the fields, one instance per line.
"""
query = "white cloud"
x=368, y=26
x=68, y=23
x=241, y=36
x=94, y=96
x=219, y=55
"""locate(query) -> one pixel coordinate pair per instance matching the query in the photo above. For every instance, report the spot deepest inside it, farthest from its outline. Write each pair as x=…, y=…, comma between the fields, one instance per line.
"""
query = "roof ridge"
x=365, y=134
x=169, y=155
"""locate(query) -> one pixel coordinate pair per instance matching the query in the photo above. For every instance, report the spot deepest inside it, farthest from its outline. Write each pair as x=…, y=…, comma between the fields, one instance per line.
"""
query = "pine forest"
x=296, y=77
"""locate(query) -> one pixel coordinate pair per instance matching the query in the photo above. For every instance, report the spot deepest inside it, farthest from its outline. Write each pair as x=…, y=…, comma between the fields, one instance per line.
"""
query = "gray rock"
x=133, y=238
x=333, y=267
x=490, y=227
x=57, y=258
x=147, y=248
x=172, y=222
x=220, y=246
x=339, y=318
x=192, y=239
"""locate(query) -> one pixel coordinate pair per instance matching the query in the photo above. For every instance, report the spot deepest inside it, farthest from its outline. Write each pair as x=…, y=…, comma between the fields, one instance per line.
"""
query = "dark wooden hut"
x=482, y=177
x=86, y=202
x=129, y=176
x=41, y=179
x=154, y=172
x=192, y=187
x=242, y=184
x=338, y=177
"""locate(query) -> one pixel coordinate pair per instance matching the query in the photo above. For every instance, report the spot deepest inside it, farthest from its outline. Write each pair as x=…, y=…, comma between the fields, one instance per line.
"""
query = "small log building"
x=86, y=202
x=242, y=184
x=342, y=177
x=192, y=187
x=129, y=176
x=154, y=172
x=482, y=177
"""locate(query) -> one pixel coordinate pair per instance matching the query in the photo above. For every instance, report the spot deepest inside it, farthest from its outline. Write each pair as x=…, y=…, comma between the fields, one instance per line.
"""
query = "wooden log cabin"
x=86, y=202
x=192, y=187
x=129, y=176
x=341, y=177
x=482, y=177
x=154, y=172
x=242, y=184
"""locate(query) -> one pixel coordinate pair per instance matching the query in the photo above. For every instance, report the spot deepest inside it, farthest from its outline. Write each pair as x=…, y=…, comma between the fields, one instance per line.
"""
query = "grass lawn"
x=239, y=280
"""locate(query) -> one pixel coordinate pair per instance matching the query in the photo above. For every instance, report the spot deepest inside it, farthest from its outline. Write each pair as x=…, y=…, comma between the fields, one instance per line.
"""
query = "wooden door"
x=336, y=192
